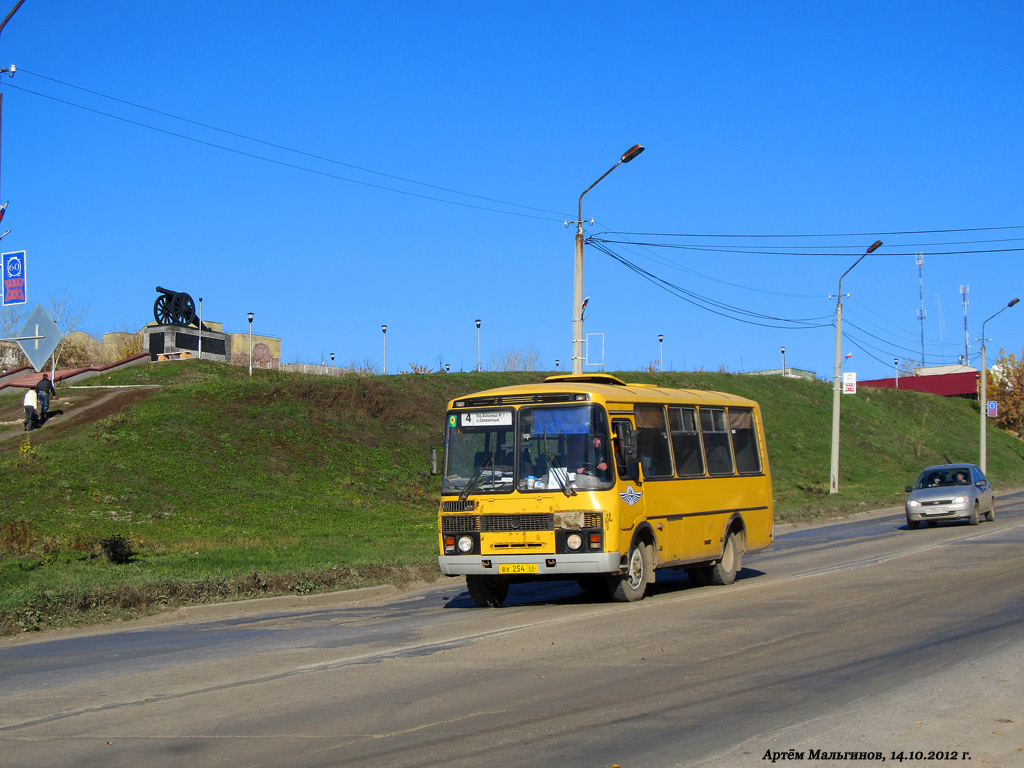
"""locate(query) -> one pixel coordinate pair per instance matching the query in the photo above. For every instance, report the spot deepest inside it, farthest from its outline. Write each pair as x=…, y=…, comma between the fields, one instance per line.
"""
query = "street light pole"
x=983, y=403
x=250, y=343
x=896, y=365
x=10, y=71
x=661, y=352
x=478, y=345
x=783, y=362
x=577, y=283
x=384, y=332
x=833, y=484
x=200, y=327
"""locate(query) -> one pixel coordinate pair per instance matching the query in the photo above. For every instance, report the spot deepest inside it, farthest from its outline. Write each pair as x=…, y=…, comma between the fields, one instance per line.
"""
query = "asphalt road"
x=860, y=636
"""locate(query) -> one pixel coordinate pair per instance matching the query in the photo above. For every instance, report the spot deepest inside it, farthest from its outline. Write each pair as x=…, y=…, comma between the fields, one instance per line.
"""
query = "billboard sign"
x=14, y=278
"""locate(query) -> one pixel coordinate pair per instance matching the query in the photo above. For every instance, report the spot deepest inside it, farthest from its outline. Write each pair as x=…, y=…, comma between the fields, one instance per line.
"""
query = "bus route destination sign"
x=14, y=278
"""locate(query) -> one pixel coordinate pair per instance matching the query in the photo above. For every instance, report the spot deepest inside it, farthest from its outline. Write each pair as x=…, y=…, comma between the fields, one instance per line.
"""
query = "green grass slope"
x=217, y=486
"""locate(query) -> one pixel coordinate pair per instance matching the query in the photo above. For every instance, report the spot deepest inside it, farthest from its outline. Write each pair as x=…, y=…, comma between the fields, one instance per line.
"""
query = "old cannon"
x=173, y=308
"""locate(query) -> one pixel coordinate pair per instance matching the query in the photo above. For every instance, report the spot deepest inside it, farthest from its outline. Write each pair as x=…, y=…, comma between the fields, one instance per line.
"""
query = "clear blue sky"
x=783, y=118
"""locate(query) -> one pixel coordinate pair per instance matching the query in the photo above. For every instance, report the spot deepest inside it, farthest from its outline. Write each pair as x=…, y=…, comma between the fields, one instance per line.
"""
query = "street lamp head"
x=383, y=329
x=447, y=367
x=661, y=337
x=632, y=152
x=250, y=318
x=478, y=323
x=1012, y=302
x=874, y=246
x=783, y=350
x=332, y=357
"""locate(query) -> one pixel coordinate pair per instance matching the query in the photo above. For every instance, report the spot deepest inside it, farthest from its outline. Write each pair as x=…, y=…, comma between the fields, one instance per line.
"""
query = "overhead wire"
x=295, y=166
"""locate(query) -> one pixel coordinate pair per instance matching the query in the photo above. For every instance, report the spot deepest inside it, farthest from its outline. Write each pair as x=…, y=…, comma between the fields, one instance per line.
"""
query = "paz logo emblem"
x=630, y=496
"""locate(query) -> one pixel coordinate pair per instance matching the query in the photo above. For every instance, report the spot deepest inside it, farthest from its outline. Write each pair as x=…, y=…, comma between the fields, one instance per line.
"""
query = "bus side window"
x=715, y=435
x=655, y=455
x=686, y=442
x=744, y=441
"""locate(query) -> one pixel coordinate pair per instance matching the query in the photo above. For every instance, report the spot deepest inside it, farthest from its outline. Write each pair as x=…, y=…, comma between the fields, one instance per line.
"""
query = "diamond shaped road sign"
x=39, y=337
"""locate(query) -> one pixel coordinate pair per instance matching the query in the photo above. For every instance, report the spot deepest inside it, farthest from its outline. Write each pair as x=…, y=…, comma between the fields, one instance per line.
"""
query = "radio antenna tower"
x=921, y=313
x=964, y=290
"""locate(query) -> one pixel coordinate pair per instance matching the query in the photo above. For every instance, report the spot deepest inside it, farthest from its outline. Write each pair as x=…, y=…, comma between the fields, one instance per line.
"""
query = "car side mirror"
x=908, y=489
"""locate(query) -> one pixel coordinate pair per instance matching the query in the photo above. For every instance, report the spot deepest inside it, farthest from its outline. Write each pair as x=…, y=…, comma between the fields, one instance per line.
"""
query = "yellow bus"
x=589, y=478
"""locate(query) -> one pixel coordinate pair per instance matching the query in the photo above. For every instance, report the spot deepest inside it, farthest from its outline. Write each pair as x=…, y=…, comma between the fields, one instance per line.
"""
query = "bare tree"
x=513, y=359
x=68, y=318
x=11, y=320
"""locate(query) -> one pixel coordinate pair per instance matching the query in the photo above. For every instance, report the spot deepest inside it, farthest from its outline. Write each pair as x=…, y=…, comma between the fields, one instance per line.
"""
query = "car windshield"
x=943, y=477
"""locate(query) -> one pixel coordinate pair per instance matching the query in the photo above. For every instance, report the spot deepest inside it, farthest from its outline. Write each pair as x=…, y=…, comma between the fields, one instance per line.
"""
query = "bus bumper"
x=546, y=565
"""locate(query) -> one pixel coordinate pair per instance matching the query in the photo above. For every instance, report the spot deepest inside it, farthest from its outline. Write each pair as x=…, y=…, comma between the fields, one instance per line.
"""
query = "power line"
x=293, y=165
x=723, y=249
x=830, y=234
x=716, y=307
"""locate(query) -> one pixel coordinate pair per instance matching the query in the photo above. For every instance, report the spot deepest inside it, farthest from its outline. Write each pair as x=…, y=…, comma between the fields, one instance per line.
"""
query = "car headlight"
x=574, y=541
x=959, y=499
x=465, y=544
x=913, y=503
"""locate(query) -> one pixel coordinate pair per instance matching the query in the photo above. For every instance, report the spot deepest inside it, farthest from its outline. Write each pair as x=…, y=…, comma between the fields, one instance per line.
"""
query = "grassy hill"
x=214, y=485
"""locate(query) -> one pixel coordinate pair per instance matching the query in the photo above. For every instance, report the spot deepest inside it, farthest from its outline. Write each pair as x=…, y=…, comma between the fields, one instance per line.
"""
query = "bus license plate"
x=514, y=568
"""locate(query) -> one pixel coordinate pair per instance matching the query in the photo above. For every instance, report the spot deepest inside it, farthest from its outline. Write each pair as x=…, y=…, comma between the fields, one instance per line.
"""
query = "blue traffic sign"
x=14, y=278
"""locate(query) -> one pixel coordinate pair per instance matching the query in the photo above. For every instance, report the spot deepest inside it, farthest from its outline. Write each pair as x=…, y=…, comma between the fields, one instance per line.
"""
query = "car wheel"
x=973, y=519
x=487, y=591
x=992, y=512
x=912, y=524
x=724, y=572
x=629, y=587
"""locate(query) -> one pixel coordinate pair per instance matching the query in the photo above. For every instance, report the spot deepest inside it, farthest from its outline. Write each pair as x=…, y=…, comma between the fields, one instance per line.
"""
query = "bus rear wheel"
x=724, y=572
x=630, y=586
x=487, y=591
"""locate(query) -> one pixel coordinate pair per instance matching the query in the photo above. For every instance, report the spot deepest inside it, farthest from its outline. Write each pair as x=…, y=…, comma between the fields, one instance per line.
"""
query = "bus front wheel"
x=487, y=591
x=724, y=572
x=630, y=586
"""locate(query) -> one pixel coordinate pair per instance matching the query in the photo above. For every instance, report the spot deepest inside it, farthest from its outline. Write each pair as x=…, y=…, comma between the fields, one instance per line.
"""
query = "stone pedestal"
x=173, y=340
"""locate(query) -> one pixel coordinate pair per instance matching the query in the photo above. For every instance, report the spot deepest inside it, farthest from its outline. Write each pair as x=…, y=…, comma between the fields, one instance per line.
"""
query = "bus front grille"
x=468, y=505
x=508, y=523
x=460, y=523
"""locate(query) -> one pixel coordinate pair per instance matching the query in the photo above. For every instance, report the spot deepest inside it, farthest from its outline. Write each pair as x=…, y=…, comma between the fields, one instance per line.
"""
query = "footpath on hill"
x=73, y=406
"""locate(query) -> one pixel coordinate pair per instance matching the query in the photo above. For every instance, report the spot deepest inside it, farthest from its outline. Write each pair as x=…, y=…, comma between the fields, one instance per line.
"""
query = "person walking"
x=30, y=409
x=43, y=390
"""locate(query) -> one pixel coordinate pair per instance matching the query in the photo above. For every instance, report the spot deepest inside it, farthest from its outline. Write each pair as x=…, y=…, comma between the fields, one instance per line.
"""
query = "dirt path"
x=68, y=408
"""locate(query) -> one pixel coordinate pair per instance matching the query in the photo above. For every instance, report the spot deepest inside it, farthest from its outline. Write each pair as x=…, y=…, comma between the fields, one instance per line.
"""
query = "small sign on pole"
x=849, y=383
x=992, y=409
x=14, y=278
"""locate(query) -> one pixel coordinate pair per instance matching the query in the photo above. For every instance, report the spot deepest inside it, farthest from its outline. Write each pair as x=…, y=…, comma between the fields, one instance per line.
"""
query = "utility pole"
x=8, y=71
x=833, y=484
x=964, y=290
x=921, y=313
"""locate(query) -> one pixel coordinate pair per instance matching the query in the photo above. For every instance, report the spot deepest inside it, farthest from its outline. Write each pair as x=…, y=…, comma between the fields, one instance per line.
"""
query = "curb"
x=281, y=603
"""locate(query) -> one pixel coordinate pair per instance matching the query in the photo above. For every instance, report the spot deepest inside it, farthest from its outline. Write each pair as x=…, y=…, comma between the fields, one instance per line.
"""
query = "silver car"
x=950, y=492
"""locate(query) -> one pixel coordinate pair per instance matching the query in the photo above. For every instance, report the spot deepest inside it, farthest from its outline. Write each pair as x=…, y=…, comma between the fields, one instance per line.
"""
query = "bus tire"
x=629, y=586
x=724, y=572
x=487, y=591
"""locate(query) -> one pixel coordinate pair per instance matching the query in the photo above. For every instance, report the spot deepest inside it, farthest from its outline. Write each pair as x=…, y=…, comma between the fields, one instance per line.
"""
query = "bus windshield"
x=561, y=448
x=479, y=452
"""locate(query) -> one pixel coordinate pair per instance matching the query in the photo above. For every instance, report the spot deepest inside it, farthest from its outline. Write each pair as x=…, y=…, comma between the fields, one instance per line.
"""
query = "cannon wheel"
x=184, y=308
x=162, y=311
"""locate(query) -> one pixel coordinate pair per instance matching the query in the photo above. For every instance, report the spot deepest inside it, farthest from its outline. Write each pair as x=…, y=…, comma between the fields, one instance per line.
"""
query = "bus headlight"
x=574, y=541
x=465, y=544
